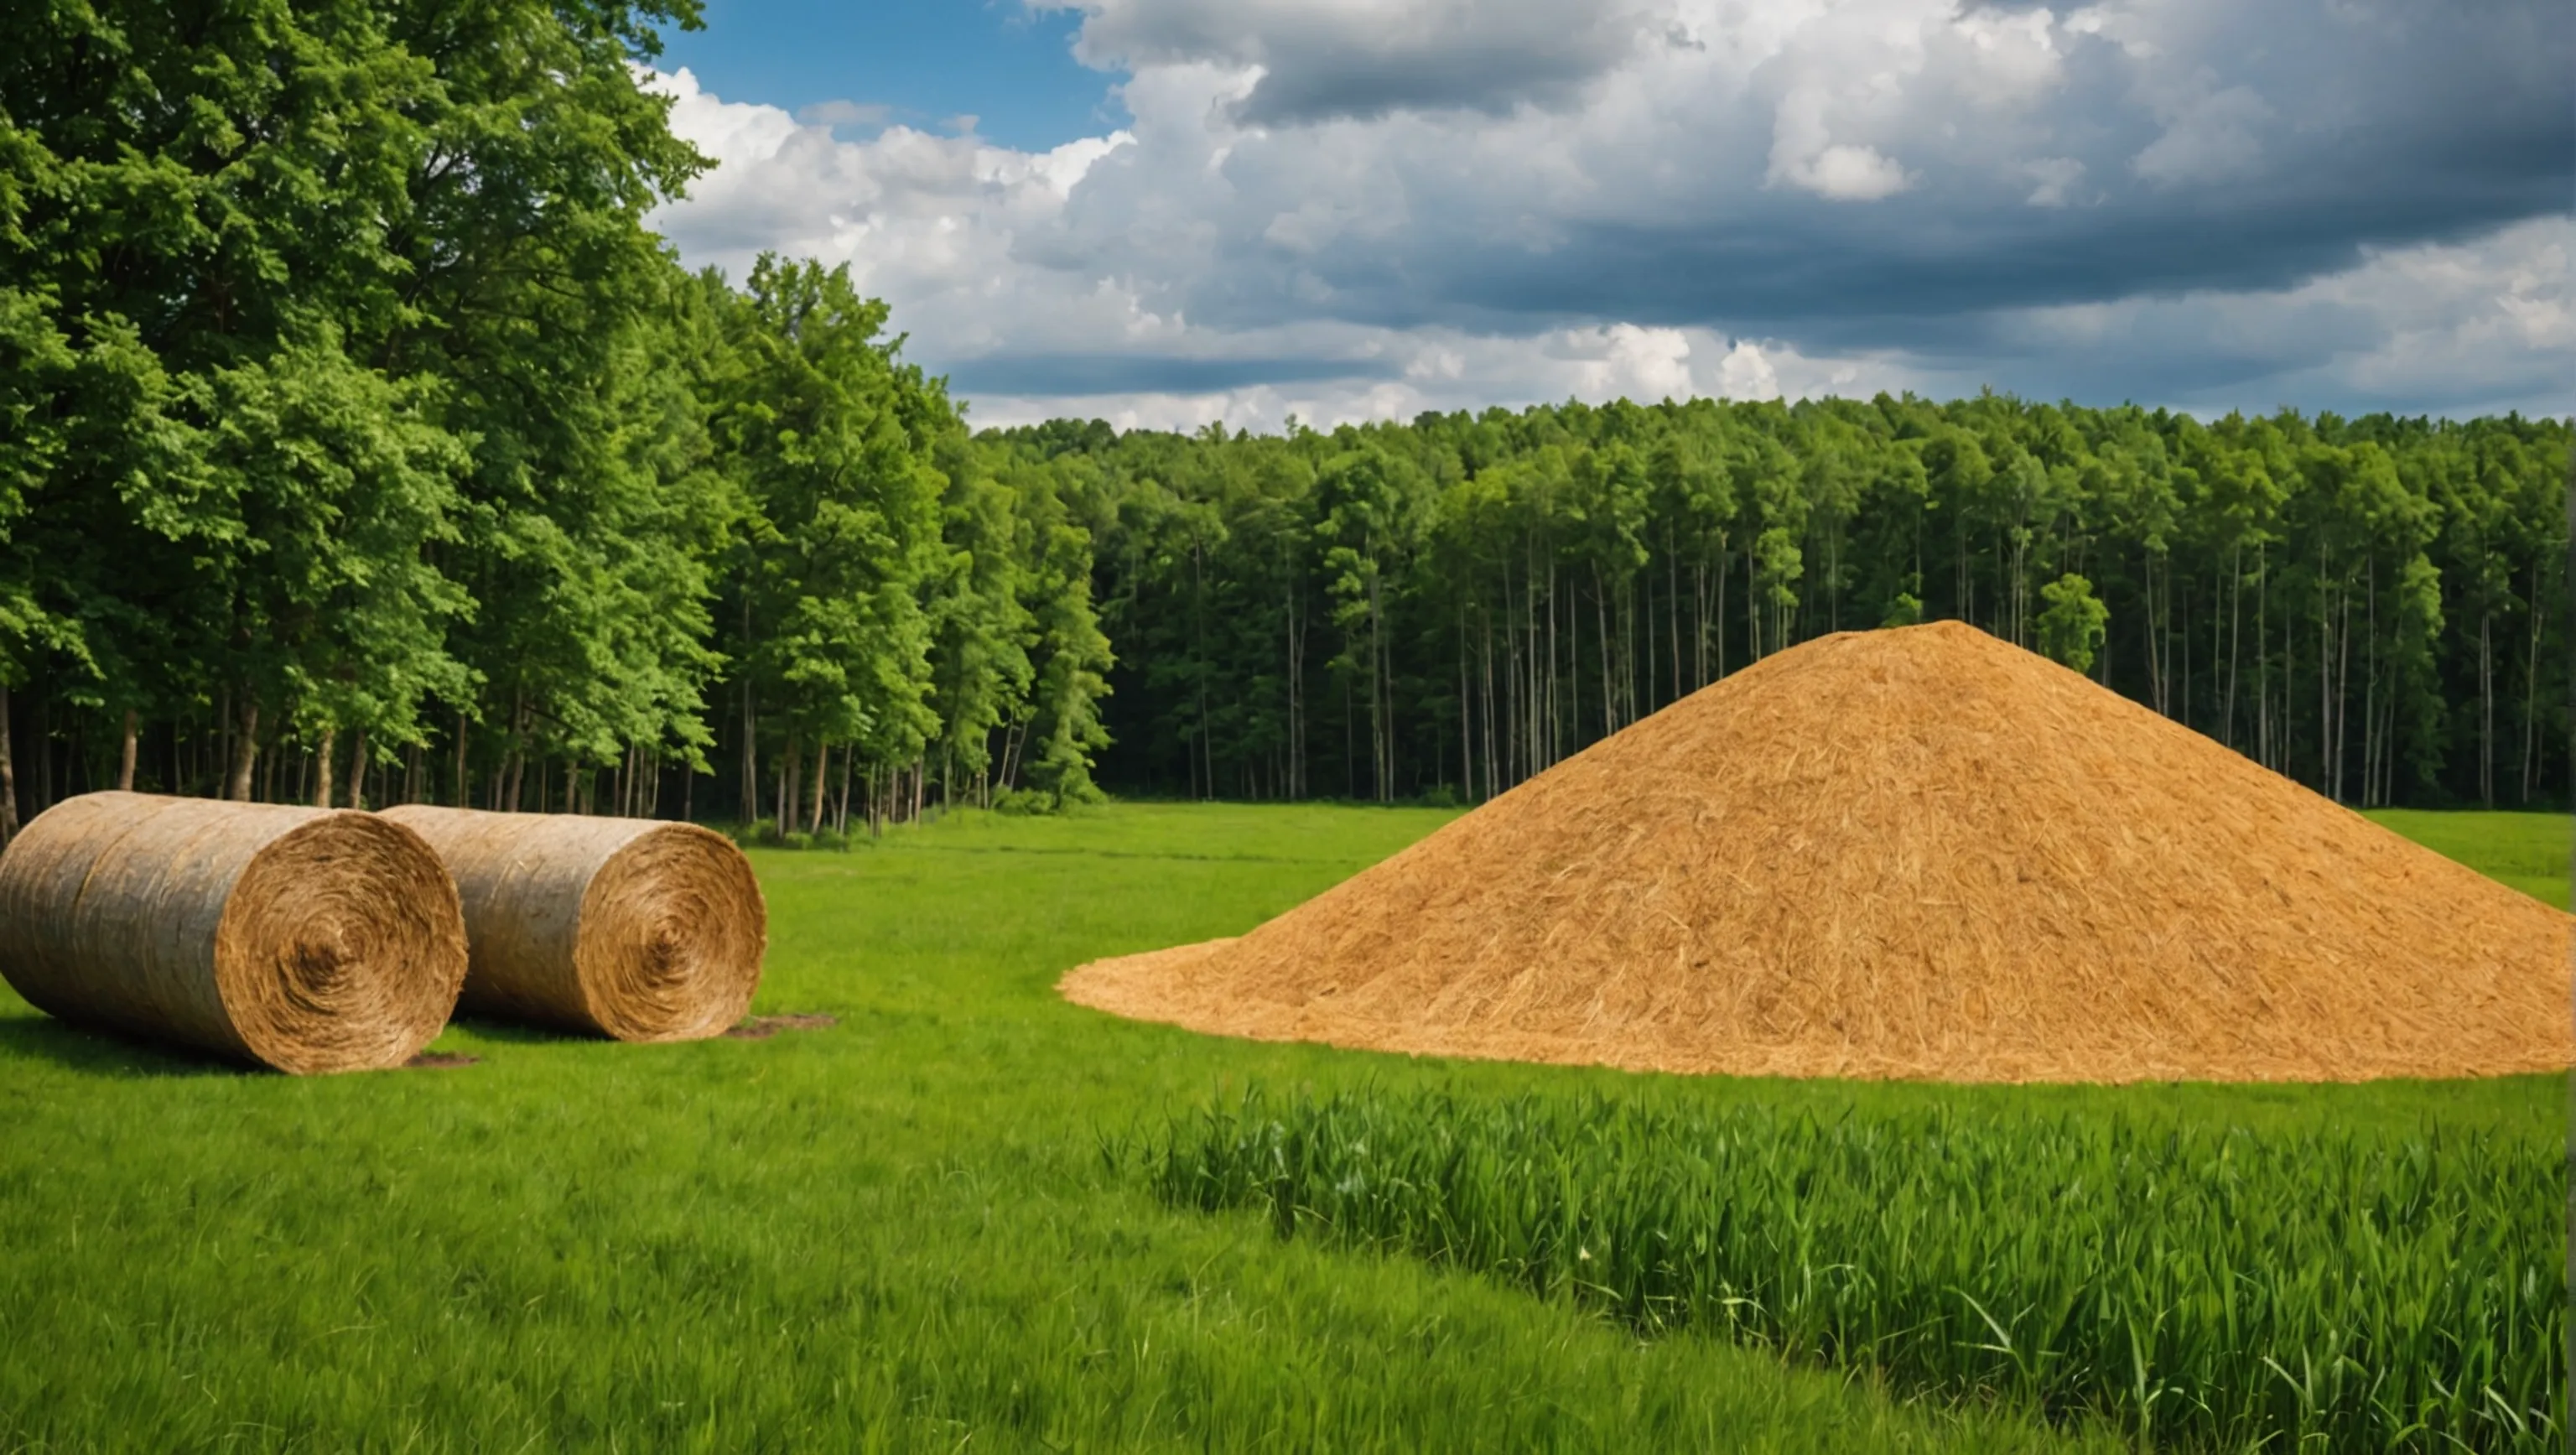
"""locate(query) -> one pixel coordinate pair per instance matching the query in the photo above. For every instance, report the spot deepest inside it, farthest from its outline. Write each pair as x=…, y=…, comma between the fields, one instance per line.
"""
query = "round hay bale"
x=305, y=939
x=625, y=927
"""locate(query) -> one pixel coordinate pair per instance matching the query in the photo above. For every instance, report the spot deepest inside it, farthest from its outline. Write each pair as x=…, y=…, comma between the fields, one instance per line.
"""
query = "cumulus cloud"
x=1338, y=207
x=845, y=113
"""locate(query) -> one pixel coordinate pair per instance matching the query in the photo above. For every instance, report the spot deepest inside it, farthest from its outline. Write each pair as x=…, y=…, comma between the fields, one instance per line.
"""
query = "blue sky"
x=1176, y=211
x=922, y=61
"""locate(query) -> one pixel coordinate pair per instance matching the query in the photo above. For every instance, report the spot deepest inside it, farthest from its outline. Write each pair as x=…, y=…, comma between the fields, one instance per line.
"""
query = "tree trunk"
x=2155, y=659
x=2370, y=687
x=2343, y=683
x=125, y=756
x=822, y=767
x=322, y=783
x=2235, y=621
x=1296, y=695
x=245, y=753
x=2531, y=689
x=8, y=774
x=358, y=770
x=1673, y=616
x=1601, y=623
x=1377, y=699
x=1752, y=607
x=1716, y=614
x=1466, y=729
x=750, y=812
x=2263, y=663
x=1550, y=699
x=1493, y=724
x=790, y=759
x=2326, y=783
x=2486, y=709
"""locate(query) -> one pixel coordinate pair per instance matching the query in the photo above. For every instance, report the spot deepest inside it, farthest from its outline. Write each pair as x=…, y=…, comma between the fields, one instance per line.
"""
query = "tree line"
x=2374, y=606
x=360, y=442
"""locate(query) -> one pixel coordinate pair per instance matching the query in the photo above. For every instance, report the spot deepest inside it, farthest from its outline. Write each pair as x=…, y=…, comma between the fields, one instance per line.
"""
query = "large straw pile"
x=632, y=928
x=306, y=939
x=1915, y=853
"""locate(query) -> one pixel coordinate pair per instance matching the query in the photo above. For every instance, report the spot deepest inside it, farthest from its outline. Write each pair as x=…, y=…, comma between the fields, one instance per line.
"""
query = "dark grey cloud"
x=1487, y=74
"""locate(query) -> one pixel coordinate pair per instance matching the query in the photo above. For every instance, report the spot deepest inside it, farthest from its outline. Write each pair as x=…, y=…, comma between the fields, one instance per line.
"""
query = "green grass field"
x=899, y=1233
x=2526, y=850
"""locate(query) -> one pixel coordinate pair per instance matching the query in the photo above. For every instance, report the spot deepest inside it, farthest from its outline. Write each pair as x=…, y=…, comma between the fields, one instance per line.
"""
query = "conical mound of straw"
x=301, y=938
x=631, y=928
x=1917, y=853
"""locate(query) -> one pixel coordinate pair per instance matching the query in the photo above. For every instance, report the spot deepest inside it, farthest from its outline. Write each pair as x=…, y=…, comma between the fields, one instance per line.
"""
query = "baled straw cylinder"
x=305, y=939
x=633, y=928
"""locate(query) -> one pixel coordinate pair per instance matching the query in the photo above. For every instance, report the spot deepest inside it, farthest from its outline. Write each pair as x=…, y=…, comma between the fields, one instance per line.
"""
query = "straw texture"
x=632, y=928
x=1918, y=853
x=304, y=939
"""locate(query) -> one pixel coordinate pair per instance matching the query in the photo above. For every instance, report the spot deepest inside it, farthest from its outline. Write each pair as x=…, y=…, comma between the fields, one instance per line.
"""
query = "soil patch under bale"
x=1917, y=853
x=441, y=1061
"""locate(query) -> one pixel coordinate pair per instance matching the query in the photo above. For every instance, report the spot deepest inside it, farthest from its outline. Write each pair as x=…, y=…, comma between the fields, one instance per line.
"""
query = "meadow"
x=902, y=1232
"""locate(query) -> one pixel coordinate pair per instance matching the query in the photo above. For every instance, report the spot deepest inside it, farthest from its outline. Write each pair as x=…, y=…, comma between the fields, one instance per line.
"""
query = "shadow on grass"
x=109, y=1053
x=520, y=1033
x=100, y=1051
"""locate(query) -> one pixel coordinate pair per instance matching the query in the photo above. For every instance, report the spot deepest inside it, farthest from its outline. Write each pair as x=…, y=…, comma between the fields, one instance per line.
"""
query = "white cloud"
x=928, y=222
x=1846, y=174
x=845, y=113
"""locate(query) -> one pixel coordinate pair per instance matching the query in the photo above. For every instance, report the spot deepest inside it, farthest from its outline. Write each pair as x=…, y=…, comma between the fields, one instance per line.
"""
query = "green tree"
x=836, y=569
x=2072, y=624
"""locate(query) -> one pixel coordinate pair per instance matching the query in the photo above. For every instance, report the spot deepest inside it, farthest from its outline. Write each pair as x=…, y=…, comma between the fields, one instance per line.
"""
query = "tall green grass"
x=2196, y=1285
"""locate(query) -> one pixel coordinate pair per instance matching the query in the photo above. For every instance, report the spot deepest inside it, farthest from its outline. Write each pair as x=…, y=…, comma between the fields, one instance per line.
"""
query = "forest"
x=2374, y=607
x=360, y=442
